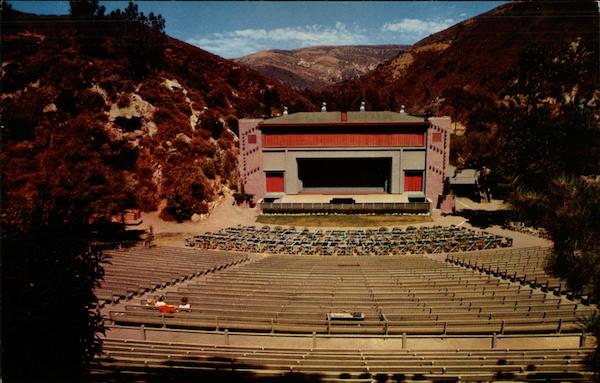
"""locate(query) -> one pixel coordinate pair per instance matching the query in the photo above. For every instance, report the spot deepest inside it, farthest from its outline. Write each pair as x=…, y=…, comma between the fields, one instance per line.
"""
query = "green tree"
x=141, y=37
x=549, y=150
x=49, y=321
x=186, y=190
x=86, y=9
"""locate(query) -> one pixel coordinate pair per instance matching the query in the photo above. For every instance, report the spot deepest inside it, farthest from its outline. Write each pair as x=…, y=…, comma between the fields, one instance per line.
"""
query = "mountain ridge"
x=452, y=71
x=318, y=66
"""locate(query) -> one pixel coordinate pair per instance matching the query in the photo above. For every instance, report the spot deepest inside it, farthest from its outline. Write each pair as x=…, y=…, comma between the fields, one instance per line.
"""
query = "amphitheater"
x=280, y=304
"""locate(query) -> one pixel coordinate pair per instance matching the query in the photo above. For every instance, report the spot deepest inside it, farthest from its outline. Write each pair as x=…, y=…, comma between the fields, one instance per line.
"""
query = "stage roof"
x=337, y=117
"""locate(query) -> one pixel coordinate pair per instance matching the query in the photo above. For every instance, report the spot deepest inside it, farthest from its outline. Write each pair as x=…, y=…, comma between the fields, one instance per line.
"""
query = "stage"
x=381, y=203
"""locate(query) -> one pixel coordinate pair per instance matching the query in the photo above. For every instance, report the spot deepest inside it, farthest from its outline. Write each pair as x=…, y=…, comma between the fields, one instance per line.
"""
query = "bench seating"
x=412, y=294
x=139, y=270
x=526, y=265
x=134, y=356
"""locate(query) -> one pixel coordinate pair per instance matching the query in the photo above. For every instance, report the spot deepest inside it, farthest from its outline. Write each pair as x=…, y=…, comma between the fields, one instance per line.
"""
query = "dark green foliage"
x=547, y=124
x=270, y=100
x=141, y=38
x=569, y=209
x=548, y=149
x=201, y=147
x=86, y=9
x=249, y=108
x=543, y=139
x=6, y=8
x=49, y=325
x=592, y=325
x=48, y=269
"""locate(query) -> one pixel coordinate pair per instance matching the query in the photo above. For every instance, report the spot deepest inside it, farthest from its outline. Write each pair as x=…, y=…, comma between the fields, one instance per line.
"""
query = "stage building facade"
x=308, y=160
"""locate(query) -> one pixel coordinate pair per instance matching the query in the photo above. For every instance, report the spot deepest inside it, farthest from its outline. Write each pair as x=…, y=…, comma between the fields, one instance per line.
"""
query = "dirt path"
x=224, y=214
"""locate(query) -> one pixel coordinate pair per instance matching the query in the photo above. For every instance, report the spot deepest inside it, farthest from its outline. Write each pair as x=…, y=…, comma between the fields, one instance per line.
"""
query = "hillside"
x=316, y=67
x=453, y=71
x=147, y=116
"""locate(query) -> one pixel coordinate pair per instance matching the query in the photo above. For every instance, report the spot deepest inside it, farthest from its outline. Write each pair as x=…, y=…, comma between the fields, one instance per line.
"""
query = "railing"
x=383, y=325
x=347, y=208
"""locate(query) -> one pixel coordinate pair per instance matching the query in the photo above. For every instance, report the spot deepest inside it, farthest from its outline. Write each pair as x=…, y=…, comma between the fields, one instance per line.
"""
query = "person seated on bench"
x=167, y=309
x=185, y=305
x=164, y=308
x=160, y=302
x=150, y=302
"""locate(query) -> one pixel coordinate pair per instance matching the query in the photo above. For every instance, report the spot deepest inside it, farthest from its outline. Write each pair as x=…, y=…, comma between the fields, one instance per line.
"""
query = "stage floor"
x=358, y=198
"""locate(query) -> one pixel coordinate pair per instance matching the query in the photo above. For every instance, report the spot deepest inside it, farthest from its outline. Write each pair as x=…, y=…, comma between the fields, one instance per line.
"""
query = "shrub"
x=202, y=147
x=22, y=115
x=233, y=125
x=229, y=165
x=170, y=122
x=217, y=97
x=152, y=91
x=110, y=85
x=212, y=123
x=249, y=107
x=186, y=190
x=124, y=101
x=87, y=101
x=146, y=193
x=208, y=167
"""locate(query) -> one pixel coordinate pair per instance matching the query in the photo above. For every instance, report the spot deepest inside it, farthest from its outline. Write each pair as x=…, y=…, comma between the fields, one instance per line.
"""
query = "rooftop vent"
x=285, y=111
x=324, y=107
x=362, y=106
x=402, y=109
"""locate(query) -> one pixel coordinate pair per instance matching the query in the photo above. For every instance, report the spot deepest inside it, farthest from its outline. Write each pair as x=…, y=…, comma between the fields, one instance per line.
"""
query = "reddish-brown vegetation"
x=155, y=128
x=457, y=70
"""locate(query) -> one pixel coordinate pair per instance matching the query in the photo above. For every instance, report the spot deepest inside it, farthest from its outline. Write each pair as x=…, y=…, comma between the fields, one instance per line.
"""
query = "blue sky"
x=234, y=29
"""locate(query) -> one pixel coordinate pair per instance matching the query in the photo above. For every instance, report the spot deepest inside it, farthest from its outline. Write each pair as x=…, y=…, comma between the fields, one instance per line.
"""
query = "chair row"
x=436, y=239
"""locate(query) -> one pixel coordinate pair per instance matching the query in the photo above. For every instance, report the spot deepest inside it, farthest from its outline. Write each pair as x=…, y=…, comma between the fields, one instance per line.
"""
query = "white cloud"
x=417, y=28
x=245, y=41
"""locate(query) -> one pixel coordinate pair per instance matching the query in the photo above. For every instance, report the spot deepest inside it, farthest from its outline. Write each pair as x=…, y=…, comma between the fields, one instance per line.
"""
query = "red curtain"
x=413, y=181
x=275, y=182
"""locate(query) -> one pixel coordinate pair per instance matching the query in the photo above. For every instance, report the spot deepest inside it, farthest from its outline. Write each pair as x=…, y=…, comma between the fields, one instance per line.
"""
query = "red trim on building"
x=413, y=181
x=357, y=138
x=252, y=138
x=275, y=182
x=423, y=124
x=436, y=137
